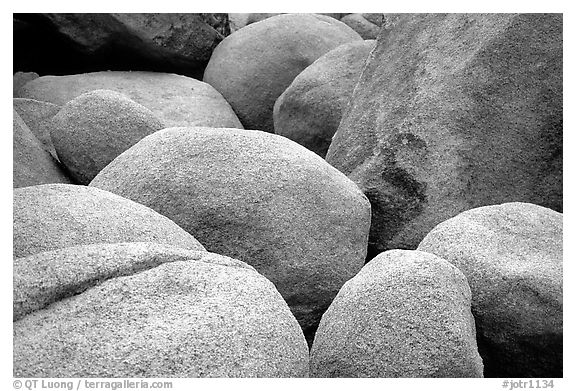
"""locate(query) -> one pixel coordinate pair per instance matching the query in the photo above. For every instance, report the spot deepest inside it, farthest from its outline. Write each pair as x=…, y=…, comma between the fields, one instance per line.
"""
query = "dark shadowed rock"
x=150, y=310
x=162, y=42
x=253, y=66
x=176, y=100
x=256, y=197
x=511, y=255
x=453, y=112
x=364, y=27
x=406, y=314
x=310, y=109
x=37, y=116
x=21, y=78
x=50, y=217
x=92, y=129
x=32, y=164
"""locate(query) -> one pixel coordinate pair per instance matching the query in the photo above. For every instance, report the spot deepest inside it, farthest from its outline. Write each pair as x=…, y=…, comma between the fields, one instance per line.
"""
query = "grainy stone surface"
x=32, y=164
x=49, y=217
x=364, y=27
x=176, y=100
x=164, y=42
x=21, y=78
x=253, y=66
x=406, y=314
x=92, y=129
x=453, y=112
x=511, y=255
x=37, y=116
x=310, y=109
x=149, y=310
x=256, y=197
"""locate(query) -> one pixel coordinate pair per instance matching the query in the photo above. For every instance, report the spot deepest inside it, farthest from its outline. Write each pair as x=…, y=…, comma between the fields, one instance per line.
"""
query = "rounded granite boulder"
x=254, y=65
x=310, y=109
x=92, y=129
x=49, y=217
x=511, y=255
x=37, y=116
x=150, y=310
x=256, y=197
x=406, y=314
x=176, y=100
x=32, y=164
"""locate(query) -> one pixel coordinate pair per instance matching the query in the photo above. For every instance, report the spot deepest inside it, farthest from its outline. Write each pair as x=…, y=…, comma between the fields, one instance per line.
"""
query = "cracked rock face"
x=511, y=255
x=452, y=112
x=150, y=310
x=405, y=314
x=49, y=217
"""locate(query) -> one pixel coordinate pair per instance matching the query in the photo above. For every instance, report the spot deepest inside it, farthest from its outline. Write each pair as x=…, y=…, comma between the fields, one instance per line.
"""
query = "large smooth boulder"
x=254, y=65
x=92, y=129
x=310, y=109
x=37, y=116
x=511, y=255
x=406, y=314
x=150, y=310
x=32, y=164
x=163, y=42
x=452, y=112
x=366, y=28
x=176, y=100
x=49, y=217
x=256, y=197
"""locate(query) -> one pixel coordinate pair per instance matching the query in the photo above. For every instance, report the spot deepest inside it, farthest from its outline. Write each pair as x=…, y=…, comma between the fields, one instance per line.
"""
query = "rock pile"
x=511, y=255
x=454, y=111
x=150, y=310
x=154, y=236
x=256, y=197
x=253, y=66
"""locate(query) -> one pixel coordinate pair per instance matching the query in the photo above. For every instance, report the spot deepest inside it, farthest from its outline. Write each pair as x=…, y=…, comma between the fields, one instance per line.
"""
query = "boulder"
x=256, y=197
x=511, y=255
x=366, y=28
x=49, y=217
x=161, y=42
x=32, y=164
x=92, y=129
x=37, y=116
x=21, y=78
x=406, y=314
x=253, y=66
x=237, y=21
x=176, y=100
x=150, y=310
x=377, y=19
x=310, y=109
x=452, y=112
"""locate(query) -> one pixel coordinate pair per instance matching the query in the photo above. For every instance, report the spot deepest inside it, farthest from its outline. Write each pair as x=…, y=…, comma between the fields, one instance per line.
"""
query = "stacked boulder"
x=78, y=43
x=511, y=255
x=150, y=310
x=92, y=129
x=256, y=197
x=106, y=287
x=310, y=109
x=252, y=67
x=454, y=111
